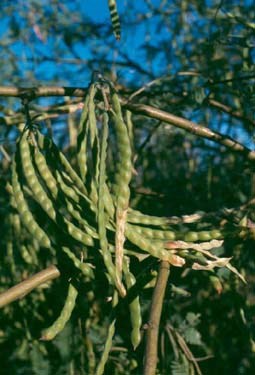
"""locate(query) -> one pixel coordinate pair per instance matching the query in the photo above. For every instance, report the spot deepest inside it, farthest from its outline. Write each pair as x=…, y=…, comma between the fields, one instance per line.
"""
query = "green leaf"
x=192, y=319
x=192, y=336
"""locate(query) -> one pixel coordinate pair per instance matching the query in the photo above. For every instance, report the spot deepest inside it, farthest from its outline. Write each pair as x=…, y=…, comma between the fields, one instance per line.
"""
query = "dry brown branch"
x=151, y=351
x=36, y=92
x=180, y=122
x=26, y=286
x=191, y=127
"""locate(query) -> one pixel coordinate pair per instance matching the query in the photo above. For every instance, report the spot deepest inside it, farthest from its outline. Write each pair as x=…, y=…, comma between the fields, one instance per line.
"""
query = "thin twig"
x=5, y=154
x=151, y=351
x=165, y=78
x=187, y=352
x=26, y=286
x=232, y=112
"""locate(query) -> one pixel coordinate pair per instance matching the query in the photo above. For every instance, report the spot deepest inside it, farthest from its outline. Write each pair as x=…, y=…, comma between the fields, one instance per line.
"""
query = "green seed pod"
x=45, y=173
x=166, y=235
x=122, y=180
x=209, y=235
x=76, y=214
x=136, y=217
x=92, y=116
x=102, y=176
x=78, y=234
x=32, y=179
x=58, y=157
x=72, y=193
x=190, y=237
x=61, y=192
x=195, y=257
x=88, y=141
x=56, y=185
x=108, y=202
x=42, y=197
x=65, y=178
x=33, y=251
x=101, y=212
x=216, y=234
x=155, y=248
x=10, y=256
x=82, y=139
x=16, y=224
x=154, y=234
x=130, y=128
x=24, y=211
x=94, y=144
x=124, y=165
x=59, y=324
x=32, y=244
x=204, y=235
x=134, y=307
x=107, y=348
x=26, y=256
x=65, y=184
x=14, y=217
x=114, y=18
x=83, y=267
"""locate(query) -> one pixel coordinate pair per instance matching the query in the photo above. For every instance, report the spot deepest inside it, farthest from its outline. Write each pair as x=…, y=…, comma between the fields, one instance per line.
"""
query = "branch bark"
x=26, y=286
x=151, y=350
x=36, y=92
x=191, y=127
x=146, y=110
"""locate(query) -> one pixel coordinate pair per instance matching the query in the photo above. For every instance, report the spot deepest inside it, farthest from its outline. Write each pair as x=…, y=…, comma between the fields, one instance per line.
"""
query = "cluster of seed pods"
x=88, y=210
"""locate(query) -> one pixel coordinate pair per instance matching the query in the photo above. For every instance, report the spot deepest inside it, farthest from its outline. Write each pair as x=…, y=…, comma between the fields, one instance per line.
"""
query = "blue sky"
x=29, y=47
x=97, y=11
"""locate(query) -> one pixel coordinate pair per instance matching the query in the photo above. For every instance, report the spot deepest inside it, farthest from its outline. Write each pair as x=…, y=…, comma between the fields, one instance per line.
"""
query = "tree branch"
x=234, y=113
x=191, y=127
x=151, y=350
x=26, y=286
x=180, y=122
x=35, y=92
